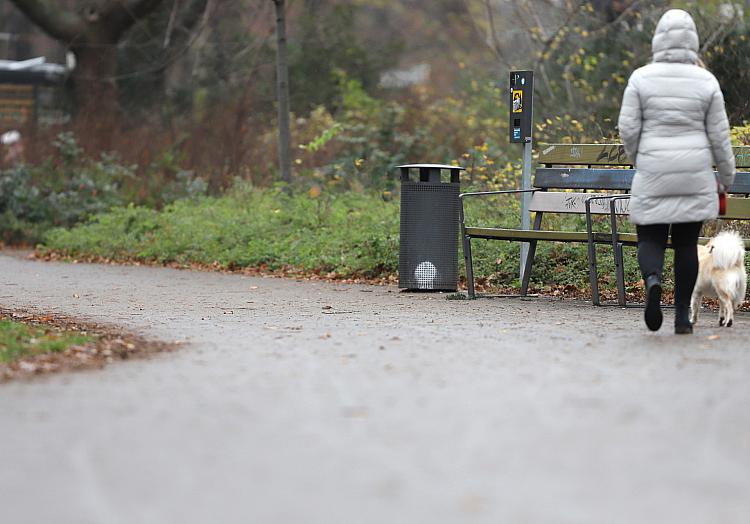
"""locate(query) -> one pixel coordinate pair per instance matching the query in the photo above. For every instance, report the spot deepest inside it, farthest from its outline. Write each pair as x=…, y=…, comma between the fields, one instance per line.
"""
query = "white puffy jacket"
x=674, y=127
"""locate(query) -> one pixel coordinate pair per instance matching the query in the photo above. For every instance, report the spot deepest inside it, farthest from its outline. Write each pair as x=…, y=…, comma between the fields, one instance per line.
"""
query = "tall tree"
x=282, y=92
x=91, y=29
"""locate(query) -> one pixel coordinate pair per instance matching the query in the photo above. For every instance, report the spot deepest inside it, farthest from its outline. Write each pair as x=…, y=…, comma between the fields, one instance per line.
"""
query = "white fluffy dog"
x=722, y=275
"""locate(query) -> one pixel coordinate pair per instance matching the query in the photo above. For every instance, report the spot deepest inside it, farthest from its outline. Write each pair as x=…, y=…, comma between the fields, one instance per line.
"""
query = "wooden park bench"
x=585, y=179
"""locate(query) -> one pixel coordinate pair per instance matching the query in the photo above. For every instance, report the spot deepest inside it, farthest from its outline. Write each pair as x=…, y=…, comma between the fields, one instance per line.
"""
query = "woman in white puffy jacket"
x=675, y=129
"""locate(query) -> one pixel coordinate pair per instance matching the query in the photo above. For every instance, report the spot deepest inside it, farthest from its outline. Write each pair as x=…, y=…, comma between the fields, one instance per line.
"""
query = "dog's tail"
x=728, y=250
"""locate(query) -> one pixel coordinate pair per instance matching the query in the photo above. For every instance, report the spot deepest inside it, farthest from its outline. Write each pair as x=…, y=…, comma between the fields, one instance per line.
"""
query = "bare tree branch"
x=138, y=8
x=496, y=46
x=120, y=15
x=61, y=24
x=724, y=27
x=632, y=7
x=170, y=25
x=548, y=43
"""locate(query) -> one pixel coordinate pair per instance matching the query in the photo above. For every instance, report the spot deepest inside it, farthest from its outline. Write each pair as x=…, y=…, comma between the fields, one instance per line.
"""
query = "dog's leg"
x=729, y=308
x=726, y=309
x=695, y=305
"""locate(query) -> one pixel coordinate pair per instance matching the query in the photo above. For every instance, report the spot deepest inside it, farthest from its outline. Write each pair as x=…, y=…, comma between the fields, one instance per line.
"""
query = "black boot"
x=653, y=314
x=682, y=325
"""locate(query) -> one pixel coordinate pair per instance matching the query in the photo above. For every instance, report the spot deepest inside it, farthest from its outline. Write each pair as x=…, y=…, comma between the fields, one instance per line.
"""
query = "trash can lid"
x=433, y=166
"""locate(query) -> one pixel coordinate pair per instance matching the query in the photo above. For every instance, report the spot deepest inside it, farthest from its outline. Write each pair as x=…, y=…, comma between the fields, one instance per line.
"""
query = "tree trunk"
x=91, y=30
x=94, y=81
x=282, y=93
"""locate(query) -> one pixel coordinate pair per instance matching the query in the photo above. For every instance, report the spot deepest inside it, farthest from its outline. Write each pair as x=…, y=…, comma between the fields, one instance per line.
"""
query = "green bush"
x=348, y=233
x=345, y=233
x=69, y=188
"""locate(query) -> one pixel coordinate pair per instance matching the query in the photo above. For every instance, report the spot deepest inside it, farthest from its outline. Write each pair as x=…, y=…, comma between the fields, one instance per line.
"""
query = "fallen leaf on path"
x=714, y=337
x=28, y=367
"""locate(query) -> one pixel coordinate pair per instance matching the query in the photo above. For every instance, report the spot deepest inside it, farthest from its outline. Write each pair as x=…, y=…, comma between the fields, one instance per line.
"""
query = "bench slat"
x=580, y=178
x=608, y=179
x=584, y=154
x=530, y=234
x=737, y=209
x=566, y=202
x=629, y=239
x=607, y=155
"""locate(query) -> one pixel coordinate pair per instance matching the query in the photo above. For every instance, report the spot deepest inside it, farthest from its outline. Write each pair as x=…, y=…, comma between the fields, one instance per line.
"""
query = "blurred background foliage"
x=373, y=83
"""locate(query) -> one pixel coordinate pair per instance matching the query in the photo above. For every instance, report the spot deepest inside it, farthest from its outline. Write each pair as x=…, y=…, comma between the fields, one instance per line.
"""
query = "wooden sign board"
x=16, y=103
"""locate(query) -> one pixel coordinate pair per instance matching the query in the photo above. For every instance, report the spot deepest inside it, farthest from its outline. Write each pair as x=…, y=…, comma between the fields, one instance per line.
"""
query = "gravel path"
x=385, y=408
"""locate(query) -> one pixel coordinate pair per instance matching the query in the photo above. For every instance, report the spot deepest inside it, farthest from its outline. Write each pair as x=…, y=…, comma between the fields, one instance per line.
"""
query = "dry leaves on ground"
x=110, y=344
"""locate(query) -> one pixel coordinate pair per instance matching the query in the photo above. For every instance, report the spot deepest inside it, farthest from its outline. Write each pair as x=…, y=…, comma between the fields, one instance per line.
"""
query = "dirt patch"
x=260, y=271
x=110, y=344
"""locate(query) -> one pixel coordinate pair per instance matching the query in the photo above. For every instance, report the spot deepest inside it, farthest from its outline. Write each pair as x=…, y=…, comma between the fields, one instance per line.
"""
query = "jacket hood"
x=676, y=38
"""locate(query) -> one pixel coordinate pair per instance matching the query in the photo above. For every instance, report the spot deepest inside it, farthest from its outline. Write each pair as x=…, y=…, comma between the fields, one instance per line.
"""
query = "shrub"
x=348, y=234
x=69, y=188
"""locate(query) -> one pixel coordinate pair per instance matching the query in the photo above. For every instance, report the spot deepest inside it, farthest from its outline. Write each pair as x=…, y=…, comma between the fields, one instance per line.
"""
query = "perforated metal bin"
x=428, y=254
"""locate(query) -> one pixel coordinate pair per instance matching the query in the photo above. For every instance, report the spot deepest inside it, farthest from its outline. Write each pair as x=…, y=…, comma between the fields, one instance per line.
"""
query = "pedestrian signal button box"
x=520, y=103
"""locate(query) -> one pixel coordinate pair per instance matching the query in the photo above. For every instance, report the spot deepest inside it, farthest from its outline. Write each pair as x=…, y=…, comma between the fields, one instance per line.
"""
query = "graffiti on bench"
x=576, y=203
x=564, y=202
x=602, y=154
x=609, y=154
x=613, y=154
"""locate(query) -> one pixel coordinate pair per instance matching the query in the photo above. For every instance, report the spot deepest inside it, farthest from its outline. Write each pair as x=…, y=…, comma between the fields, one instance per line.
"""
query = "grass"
x=19, y=340
x=335, y=234
x=347, y=234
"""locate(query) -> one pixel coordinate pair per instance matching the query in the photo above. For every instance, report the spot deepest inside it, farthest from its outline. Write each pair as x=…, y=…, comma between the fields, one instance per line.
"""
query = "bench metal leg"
x=466, y=247
x=527, y=268
x=620, y=269
x=617, y=251
x=617, y=255
x=593, y=273
x=530, y=256
x=469, y=266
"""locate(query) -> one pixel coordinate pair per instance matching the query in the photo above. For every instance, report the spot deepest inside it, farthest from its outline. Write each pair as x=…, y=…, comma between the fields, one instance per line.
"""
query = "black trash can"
x=428, y=254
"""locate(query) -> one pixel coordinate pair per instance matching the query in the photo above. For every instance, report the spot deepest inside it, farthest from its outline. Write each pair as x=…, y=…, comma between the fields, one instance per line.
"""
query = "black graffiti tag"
x=615, y=153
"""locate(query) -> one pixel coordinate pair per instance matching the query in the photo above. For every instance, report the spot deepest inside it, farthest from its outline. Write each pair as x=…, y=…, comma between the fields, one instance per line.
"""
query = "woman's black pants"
x=652, y=241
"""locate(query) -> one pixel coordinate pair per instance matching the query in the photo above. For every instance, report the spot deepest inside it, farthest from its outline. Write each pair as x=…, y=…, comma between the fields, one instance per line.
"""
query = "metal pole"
x=525, y=200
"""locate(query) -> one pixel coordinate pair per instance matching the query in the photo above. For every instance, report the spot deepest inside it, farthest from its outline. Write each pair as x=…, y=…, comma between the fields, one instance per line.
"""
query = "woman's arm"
x=717, y=128
x=631, y=118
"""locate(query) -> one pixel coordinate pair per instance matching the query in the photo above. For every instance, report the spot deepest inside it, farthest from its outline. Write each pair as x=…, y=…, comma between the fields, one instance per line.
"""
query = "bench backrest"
x=575, y=203
x=617, y=176
x=608, y=155
x=608, y=169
